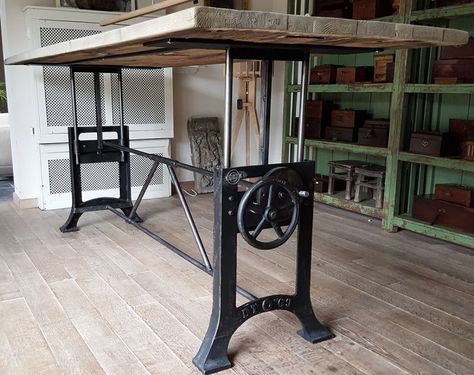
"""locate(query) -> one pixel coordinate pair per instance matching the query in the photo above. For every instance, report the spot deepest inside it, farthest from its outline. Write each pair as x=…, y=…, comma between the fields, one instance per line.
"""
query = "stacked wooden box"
x=455, y=65
x=451, y=206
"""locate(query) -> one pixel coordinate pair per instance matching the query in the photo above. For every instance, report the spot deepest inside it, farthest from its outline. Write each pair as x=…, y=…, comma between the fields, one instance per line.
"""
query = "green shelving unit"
x=412, y=103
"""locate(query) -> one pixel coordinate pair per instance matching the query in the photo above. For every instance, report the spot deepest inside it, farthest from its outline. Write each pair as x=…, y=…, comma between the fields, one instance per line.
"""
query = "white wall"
x=24, y=148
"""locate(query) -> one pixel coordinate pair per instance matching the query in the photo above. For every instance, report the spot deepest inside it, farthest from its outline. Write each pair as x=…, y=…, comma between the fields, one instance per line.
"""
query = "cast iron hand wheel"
x=274, y=203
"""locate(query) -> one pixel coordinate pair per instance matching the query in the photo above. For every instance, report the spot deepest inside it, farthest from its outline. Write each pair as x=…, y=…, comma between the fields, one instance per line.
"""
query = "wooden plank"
x=162, y=5
x=113, y=47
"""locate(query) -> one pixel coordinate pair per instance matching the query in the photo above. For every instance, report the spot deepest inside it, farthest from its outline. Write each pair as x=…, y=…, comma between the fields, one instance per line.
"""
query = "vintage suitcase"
x=347, y=118
x=321, y=184
x=374, y=133
x=462, y=52
x=429, y=143
x=463, y=195
x=353, y=74
x=461, y=131
x=340, y=134
x=324, y=74
x=454, y=68
x=381, y=73
x=434, y=211
x=370, y=9
x=333, y=8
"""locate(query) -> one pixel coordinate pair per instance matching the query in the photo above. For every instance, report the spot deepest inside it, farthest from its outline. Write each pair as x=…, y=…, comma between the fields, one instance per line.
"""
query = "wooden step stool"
x=348, y=167
x=371, y=177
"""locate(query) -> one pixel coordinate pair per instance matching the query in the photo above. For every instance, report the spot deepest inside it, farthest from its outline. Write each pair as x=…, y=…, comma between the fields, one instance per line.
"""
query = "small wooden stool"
x=371, y=177
x=349, y=167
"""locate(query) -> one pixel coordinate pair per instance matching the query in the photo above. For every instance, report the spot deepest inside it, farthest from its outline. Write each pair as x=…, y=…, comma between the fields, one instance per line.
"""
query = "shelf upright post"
x=392, y=185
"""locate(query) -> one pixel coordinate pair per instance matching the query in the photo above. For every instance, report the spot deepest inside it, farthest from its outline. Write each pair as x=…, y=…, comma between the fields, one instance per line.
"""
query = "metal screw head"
x=231, y=212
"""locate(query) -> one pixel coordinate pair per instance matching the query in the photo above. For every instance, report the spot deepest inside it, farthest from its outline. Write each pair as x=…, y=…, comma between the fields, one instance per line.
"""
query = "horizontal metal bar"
x=285, y=52
x=161, y=159
x=244, y=293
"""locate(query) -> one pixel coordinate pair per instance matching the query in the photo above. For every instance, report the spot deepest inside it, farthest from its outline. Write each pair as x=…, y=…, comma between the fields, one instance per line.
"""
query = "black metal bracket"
x=226, y=316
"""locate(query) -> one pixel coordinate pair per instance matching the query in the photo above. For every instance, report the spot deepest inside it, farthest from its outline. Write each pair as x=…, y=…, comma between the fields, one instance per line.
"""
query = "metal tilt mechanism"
x=280, y=201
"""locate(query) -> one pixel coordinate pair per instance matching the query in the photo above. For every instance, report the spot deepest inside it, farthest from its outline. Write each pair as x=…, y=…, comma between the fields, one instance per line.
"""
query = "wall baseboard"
x=24, y=203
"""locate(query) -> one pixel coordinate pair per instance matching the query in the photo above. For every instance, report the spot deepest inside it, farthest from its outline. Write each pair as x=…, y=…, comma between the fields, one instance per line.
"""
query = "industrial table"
x=281, y=199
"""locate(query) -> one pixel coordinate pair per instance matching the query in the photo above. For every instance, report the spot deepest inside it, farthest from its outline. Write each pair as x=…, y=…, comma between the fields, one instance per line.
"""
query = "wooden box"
x=318, y=116
x=333, y=8
x=370, y=9
x=321, y=184
x=462, y=52
x=353, y=74
x=468, y=150
x=381, y=68
x=462, y=69
x=340, y=134
x=374, y=133
x=347, y=118
x=453, y=193
x=429, y=143
x=460, y=131
x=324, y=74
x=434, y=211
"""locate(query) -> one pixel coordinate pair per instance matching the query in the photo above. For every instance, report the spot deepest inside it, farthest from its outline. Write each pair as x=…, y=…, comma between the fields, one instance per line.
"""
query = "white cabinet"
x=147, y=107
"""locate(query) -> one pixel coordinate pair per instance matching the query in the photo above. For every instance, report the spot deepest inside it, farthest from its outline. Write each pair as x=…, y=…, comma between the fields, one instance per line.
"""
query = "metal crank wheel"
x=270, y=203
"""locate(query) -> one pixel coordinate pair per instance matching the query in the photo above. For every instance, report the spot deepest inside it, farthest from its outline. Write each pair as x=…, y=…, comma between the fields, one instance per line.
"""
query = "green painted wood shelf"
x=365, y=208
x=341, y=146
x=436, y=231
x=449, y=163
x=356, y=87
x=442, y=12
x=407, y=174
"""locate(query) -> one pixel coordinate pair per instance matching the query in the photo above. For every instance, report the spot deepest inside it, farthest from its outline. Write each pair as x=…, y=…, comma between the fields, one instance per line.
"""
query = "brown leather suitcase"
x=374, y=133
x=340, y=134
x=347, y=118
x=323, y=74
x=370, y=9
x=454, y=68
x=434, y=211
x=381, y=73
x=353, y=74
x=463, y=195
x=462, y=52
x=429, y=143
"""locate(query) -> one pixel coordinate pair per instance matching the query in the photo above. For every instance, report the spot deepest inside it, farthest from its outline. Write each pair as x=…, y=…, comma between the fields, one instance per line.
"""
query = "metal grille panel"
x=143, y=96
x=57, y=86
x=100, y=176
x=139, y=169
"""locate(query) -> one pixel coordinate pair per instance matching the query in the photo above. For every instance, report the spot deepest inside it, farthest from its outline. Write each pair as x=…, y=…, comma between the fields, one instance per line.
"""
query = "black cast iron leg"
x=212, y=356
x=71, y=223
x=127, y=211
x=312, y=331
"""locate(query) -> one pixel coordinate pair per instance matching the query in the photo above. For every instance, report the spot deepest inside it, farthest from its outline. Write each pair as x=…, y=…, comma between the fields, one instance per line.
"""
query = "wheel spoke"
x=278, y=230
x=259, y=228
x=256, y=209
x=270, y=194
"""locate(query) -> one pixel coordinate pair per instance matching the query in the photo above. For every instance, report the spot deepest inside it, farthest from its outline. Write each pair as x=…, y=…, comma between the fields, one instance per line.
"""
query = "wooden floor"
x=110, y=300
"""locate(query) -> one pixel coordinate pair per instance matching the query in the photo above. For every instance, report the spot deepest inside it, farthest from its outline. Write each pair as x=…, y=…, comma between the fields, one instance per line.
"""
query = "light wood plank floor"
x=110, y=300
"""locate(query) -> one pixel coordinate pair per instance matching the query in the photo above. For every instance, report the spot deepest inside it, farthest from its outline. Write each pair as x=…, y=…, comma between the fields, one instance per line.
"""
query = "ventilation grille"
x=57, y=85
x=100, y=176
x=143, y=96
